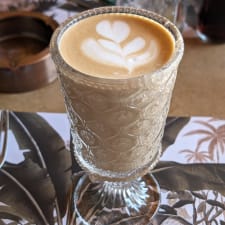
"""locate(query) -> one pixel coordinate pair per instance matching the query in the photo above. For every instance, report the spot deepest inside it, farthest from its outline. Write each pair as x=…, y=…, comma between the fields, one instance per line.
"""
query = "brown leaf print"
x=196, y=156
x=213, y=136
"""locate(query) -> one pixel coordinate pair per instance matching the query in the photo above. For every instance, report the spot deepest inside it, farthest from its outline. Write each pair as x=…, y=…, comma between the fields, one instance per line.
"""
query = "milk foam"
x=109, y=49
x=116, y=46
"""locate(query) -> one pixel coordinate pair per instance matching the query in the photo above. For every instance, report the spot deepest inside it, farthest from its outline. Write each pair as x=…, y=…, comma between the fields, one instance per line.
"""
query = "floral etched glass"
x=167, y=8
x=117, y=126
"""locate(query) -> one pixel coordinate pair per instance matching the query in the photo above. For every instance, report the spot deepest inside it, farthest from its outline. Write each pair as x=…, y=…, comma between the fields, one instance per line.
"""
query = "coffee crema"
x=116, y=46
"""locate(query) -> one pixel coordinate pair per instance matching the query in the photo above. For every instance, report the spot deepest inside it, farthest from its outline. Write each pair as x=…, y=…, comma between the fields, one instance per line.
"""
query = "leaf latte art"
x=116, y=46
x=109, y=49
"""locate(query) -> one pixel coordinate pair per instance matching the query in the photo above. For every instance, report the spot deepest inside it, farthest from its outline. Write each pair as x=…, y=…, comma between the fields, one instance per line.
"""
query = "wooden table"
x=199, y=89
x=200, y=84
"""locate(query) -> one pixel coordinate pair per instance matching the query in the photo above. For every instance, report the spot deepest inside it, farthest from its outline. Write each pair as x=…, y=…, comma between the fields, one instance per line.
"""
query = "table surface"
x=199, y=88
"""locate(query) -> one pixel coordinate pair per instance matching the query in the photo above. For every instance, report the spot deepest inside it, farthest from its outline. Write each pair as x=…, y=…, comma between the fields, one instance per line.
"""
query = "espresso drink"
x=117, y=96
x=116, y=46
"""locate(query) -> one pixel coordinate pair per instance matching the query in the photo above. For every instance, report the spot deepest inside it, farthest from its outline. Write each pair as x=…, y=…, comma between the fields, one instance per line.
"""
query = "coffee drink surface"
x=116, y=46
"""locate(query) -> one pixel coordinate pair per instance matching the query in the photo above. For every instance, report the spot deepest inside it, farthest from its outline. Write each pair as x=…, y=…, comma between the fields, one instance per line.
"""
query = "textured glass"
x=117, y=126
x=167, y=8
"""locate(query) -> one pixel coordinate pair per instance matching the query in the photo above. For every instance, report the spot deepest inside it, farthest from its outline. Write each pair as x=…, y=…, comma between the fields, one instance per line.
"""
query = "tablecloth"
x=37, y=175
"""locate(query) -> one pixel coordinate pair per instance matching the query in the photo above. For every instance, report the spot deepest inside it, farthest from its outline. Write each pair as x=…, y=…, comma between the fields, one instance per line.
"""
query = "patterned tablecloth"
x=35, y=180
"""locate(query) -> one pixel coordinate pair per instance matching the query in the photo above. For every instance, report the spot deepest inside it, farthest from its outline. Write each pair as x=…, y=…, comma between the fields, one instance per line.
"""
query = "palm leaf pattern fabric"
x=39, y=172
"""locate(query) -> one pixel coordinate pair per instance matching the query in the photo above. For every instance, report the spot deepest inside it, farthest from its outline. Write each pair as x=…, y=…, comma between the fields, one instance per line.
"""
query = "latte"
x=118, y=93
x=116, y=46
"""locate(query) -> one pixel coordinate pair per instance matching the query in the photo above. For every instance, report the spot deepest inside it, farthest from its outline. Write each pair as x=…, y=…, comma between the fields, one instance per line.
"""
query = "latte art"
x=109, y=50
x=116, y=31
x=116, y=46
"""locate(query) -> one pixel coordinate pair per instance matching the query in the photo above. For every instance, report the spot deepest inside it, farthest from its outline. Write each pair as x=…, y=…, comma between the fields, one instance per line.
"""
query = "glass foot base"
x=116, y=203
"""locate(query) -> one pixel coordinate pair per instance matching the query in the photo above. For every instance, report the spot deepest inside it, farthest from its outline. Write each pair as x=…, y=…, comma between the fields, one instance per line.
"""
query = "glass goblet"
x=117, y=127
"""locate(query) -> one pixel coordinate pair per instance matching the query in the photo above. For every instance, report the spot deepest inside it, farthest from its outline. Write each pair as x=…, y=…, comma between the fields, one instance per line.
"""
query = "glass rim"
x=166, y=23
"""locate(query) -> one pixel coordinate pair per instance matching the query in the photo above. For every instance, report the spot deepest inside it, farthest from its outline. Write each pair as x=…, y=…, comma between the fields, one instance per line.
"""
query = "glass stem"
x=129, y=195
x=127, y=203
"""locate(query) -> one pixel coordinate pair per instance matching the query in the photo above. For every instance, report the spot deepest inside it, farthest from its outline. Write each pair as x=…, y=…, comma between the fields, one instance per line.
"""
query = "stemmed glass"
x=117, y=126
